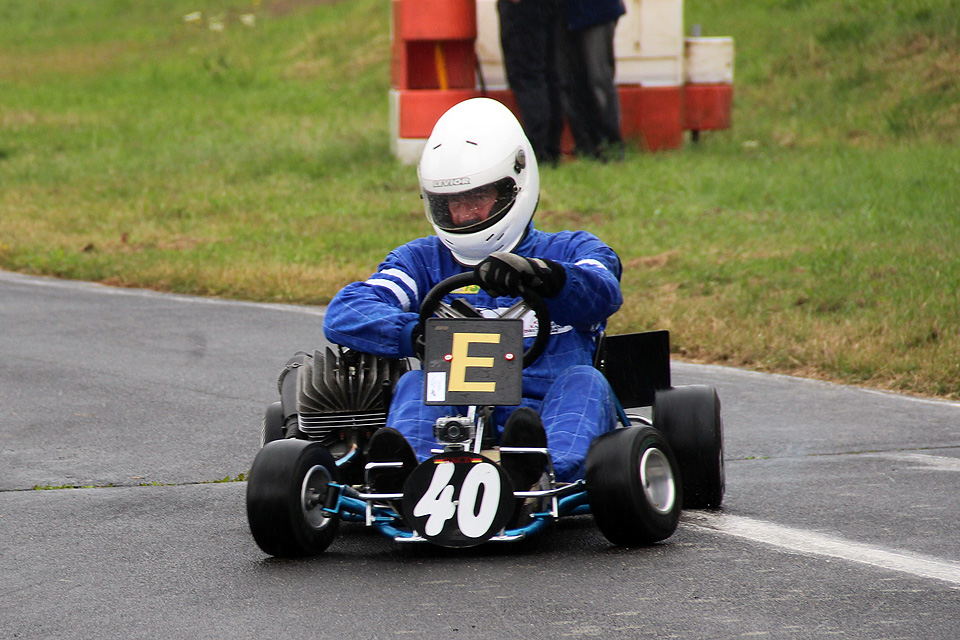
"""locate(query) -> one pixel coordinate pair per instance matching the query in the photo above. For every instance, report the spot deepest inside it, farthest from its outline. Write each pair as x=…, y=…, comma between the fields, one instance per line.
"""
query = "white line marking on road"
x=921, y=460
x=900, y=396
x=96, y=287
x=811, y=543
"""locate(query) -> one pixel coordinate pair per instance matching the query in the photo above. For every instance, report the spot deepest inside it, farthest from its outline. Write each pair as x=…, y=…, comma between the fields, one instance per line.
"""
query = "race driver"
x=480, y=187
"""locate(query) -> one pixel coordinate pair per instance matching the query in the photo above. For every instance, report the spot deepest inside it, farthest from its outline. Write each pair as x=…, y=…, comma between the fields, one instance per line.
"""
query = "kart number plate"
x=458, y=499
x=473, y=362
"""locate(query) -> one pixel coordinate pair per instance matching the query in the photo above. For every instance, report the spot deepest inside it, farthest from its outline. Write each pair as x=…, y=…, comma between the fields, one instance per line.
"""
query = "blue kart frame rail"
x=350, y=505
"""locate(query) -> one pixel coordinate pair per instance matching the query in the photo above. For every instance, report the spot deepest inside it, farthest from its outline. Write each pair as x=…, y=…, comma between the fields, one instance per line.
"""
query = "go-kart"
x=311, y=472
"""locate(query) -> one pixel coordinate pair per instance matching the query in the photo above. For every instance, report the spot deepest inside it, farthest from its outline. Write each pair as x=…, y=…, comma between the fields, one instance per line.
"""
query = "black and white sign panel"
x=470, y=361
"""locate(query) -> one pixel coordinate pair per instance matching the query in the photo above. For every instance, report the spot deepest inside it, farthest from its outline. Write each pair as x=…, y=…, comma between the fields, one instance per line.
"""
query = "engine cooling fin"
x=346, y=382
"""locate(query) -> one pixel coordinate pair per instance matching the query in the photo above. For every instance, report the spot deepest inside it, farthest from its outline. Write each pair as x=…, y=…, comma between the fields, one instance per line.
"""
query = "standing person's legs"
x=526, y=37
x=552, y=17
x=599, y=62
x=596, y=44
x=576, y=96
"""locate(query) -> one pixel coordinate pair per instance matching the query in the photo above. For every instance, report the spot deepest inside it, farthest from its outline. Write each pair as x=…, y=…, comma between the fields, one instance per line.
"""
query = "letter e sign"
x=470, y=361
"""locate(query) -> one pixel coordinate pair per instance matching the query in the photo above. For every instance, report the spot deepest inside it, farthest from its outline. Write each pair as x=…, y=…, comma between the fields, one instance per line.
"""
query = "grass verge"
x=241, y=149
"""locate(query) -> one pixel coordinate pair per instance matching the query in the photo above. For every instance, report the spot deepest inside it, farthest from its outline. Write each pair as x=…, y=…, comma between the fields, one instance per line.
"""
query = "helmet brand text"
x=451, y=182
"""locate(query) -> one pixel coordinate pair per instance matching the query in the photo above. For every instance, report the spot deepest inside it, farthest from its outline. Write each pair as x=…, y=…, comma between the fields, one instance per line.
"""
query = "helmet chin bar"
x=468, y=261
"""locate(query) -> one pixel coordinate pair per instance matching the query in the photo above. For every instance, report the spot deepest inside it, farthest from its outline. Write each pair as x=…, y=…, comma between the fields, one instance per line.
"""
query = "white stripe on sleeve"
x=591, y=262
x=396, y=289
x=403, y=277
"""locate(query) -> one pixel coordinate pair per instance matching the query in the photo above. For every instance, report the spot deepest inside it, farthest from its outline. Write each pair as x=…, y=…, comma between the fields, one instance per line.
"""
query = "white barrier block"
x=709, y=60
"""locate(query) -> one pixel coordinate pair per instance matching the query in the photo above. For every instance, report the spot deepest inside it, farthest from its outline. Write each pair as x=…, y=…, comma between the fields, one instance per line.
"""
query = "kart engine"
x=343, y=396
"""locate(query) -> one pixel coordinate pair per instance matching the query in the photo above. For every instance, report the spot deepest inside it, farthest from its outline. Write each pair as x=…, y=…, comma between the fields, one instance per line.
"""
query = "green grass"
x=240, y=477
x=819, y=236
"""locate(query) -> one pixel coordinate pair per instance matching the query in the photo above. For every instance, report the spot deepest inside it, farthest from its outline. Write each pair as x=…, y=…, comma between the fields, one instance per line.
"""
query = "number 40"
x=438, y=502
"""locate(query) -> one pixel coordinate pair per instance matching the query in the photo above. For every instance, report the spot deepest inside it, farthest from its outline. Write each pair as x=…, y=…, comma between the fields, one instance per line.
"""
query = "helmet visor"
x=473, y=209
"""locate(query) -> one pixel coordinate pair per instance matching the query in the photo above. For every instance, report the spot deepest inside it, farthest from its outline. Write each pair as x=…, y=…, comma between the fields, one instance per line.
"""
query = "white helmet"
x=478, y=146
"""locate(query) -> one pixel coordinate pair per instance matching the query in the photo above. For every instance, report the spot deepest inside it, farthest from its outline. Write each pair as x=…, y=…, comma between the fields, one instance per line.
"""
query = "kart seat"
x=636, y=365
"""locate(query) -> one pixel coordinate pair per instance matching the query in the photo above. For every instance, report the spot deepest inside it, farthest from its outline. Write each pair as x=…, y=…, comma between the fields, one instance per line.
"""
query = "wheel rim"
x=313, y=493
x=656, y=477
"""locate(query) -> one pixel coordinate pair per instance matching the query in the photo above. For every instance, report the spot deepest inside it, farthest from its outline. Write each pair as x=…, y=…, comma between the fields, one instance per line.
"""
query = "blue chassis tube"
x=386, y=521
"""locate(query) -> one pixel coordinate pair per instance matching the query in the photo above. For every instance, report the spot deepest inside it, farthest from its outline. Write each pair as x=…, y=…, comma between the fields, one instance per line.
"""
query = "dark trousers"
x=589, y=92
x=528, y=31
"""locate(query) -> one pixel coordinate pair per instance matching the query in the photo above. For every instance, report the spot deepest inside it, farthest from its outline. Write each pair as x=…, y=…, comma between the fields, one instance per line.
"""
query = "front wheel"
x=633, y=486
x=286, y=492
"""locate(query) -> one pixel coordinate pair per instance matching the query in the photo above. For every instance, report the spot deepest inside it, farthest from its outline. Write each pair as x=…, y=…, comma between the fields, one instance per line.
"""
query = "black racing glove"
x=507, y=274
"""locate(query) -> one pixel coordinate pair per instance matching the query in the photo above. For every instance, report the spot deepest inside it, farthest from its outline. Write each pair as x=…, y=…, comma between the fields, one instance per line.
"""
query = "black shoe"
x=523, y=429
x=611, y=152
x=389, y=445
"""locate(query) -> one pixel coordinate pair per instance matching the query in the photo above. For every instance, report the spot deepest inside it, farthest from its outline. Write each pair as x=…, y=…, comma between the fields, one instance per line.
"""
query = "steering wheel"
x=433, y=305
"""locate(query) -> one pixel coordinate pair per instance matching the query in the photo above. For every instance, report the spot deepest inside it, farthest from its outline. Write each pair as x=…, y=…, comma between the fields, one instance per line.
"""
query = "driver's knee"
x=578, y=408
x=584, y=382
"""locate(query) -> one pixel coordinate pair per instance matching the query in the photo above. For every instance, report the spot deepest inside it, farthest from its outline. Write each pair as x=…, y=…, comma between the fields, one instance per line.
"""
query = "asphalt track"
x=842, y=515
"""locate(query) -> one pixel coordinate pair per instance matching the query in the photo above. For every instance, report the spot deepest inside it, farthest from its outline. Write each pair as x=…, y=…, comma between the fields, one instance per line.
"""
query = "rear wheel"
x=286, y=492
x=689, y=418
x=272, y=424
x=633, y=487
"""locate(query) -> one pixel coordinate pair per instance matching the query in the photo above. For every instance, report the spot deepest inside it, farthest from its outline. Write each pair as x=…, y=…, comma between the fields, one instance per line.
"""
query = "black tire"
x=633, y=486
x=272, y=424
x=689, y=418
x=285, y=495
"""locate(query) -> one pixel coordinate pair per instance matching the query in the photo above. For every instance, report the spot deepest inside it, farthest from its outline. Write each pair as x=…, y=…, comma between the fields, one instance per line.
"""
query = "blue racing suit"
x=573, y=399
